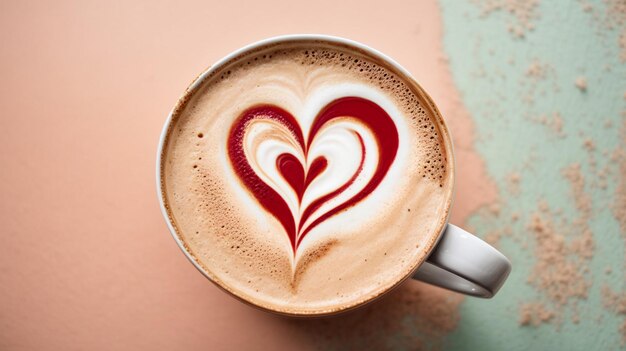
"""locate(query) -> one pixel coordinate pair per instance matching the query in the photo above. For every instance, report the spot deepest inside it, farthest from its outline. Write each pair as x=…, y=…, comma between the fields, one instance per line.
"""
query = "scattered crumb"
x=613, y=301
x=513, y=180
x=536, y=70
x=534, y=313
x=557, y=273
x=602, y=174
x=562, y=255
x=521, y=14
x=589, y=145
x=614, y=19
x=557, y=123
x=495, y=208
x=575, y=315
x=582, y=200
x=619, y=200
x=581, y=83
x=608, y=124
x=493, y=237
x=553, y=121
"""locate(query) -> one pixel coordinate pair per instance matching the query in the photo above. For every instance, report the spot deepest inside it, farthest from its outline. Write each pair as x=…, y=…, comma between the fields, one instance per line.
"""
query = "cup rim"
x=200, y=79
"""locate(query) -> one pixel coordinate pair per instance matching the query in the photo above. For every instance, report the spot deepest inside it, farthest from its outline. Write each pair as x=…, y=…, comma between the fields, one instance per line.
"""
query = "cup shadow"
x=414, y=316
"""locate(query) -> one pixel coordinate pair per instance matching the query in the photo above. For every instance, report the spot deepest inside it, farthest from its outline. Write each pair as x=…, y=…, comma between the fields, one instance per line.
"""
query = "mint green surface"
x=489, y=66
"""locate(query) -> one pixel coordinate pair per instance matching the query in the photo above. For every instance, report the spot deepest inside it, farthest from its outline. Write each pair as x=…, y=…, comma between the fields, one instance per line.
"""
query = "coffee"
x=306, y=176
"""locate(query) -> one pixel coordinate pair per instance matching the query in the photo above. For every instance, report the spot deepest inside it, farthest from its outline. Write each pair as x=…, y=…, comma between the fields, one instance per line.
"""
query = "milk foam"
x=338, y=142
x=350, y=257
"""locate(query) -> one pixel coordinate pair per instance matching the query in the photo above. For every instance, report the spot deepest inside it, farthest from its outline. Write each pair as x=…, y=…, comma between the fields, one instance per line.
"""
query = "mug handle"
x=464, y=263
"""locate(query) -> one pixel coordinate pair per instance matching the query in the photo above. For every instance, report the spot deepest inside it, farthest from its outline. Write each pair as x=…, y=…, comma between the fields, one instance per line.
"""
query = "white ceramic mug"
x=458, y=261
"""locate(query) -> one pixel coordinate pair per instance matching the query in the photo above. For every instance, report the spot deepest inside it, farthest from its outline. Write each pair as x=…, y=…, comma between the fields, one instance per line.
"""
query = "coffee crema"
x=306, y=177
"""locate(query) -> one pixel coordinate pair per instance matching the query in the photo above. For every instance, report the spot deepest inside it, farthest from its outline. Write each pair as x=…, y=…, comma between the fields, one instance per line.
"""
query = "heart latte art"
x=306, y=177
x=303, y=180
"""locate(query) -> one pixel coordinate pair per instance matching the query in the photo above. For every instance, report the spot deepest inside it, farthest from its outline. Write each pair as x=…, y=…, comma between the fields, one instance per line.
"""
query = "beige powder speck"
x=554, y=122
x=522, y=14
x=615, y=303
x=612, y=301
x=619, y=202
x=614, y=18
x=513, y=180
x=562, y=255
x=536, y=70
x=493, y=237
x=534, y=313
x=581, y=83
x=495, y=208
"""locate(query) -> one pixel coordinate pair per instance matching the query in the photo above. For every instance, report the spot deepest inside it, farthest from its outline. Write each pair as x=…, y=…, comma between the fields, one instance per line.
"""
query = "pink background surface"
x=86, y=260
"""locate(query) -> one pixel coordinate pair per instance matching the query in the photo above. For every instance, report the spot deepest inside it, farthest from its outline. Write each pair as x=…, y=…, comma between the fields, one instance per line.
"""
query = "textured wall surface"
x=545, y=84
x=534, y=97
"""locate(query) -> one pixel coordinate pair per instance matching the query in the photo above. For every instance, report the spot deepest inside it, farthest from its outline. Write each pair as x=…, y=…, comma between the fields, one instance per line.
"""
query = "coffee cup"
x=309, y=175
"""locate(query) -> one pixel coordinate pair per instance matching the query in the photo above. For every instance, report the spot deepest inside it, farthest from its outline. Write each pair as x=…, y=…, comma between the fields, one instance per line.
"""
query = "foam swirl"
x=349, y=148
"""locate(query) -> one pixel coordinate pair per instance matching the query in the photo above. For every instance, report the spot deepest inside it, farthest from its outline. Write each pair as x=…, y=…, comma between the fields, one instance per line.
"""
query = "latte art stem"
x=319, y=202
x=289, y=204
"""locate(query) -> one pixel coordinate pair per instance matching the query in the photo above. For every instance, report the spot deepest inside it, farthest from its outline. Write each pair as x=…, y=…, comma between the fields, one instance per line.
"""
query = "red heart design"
x=292, y=170
x=367, y=113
